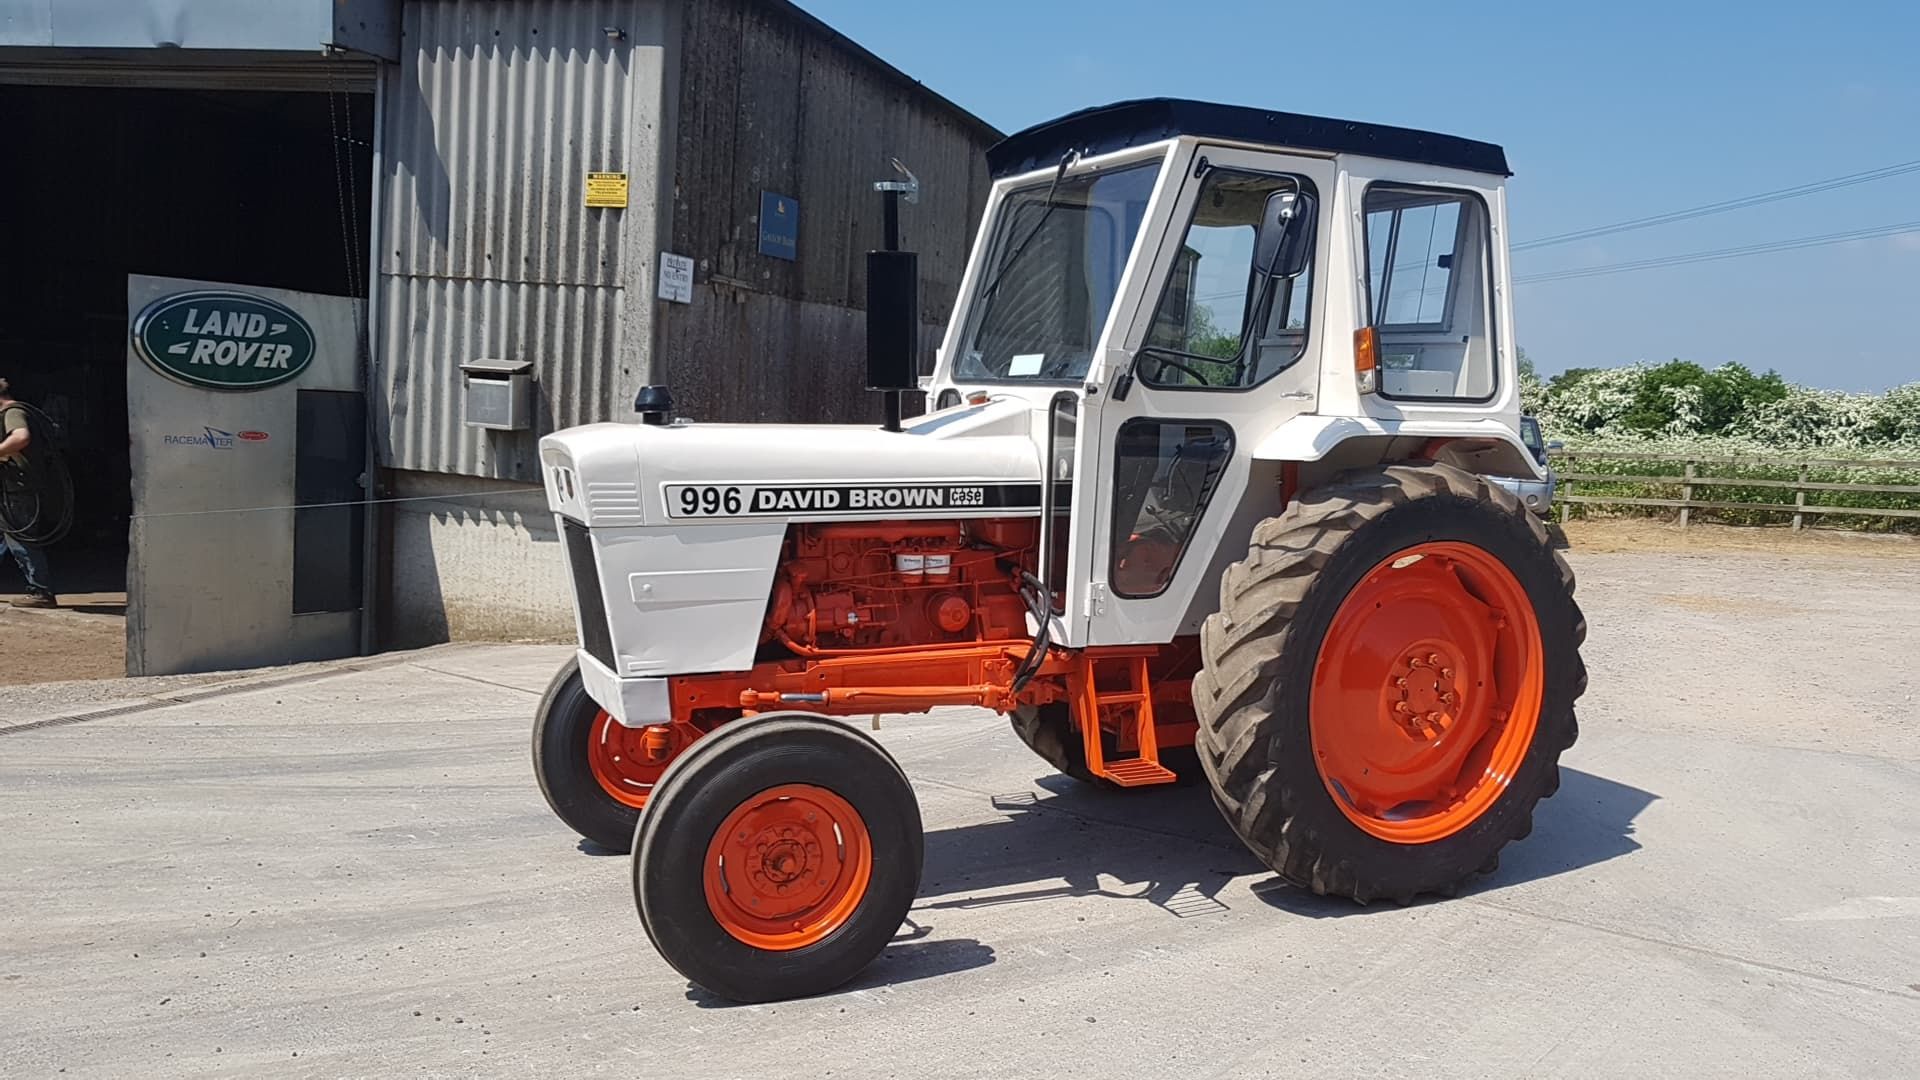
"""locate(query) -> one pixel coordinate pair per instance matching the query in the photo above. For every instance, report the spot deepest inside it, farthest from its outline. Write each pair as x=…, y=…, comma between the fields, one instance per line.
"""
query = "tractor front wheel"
x=595, y=773
x=1389, y=682
x=777, y=857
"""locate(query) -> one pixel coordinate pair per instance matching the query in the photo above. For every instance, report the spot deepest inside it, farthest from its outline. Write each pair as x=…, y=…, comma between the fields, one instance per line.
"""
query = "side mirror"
x=1556, y=445
x=1284, y=244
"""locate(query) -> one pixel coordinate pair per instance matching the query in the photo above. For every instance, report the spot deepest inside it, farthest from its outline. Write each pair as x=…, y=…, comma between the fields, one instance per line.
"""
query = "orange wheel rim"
x=1427, y=692
x=788, y=867
x=628, y=761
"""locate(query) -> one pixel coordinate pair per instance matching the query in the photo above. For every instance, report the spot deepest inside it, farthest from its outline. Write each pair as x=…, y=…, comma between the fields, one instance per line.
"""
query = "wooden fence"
x=1692, y=479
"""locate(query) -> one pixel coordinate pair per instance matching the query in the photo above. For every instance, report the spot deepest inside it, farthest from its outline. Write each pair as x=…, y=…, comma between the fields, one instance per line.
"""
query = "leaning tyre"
x=1389, y=682
x=777, y=857
x=594, y=772
x=1049, y=731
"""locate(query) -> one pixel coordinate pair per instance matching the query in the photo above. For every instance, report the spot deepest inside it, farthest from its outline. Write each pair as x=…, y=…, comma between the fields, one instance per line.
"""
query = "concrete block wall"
x=474, y=559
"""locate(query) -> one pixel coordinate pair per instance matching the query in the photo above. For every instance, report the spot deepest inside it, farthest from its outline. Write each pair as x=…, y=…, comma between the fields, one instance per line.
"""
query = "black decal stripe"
x=857, y=500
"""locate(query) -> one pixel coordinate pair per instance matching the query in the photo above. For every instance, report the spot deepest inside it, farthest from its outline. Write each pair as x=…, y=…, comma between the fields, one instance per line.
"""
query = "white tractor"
x=1206, y=490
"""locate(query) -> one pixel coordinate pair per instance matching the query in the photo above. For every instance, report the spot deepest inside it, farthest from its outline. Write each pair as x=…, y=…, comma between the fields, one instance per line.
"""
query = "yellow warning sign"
x=607, y=189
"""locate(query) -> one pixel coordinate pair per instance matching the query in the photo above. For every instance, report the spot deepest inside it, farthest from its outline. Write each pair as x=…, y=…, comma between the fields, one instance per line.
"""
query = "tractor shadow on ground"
x=1166, y=846
x=1587, y=822
x=909, y=957
x=1169, y=847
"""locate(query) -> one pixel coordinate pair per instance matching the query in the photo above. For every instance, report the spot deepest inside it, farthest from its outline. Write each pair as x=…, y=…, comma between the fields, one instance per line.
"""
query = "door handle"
x=1297, y=395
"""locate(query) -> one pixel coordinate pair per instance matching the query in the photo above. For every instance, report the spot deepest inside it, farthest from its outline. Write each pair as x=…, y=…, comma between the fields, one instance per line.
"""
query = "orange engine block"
x=886, y=584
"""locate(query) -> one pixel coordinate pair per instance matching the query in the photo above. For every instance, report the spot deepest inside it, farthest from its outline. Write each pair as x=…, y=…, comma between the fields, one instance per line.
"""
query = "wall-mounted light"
x=614, y=33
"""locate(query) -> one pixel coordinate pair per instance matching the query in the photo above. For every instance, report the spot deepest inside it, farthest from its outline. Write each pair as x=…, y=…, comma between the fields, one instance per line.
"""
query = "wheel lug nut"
x=1433, y=660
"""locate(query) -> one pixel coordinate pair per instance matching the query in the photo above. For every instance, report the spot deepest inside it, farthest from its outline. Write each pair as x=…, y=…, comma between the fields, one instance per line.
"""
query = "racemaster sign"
x=223, y=340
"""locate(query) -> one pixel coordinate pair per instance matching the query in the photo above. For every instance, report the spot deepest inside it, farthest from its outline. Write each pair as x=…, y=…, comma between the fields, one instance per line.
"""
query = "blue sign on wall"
x=779, y=226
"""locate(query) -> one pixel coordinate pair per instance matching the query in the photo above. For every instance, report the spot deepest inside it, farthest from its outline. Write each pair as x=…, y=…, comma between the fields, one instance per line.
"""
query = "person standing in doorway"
x=16, y=434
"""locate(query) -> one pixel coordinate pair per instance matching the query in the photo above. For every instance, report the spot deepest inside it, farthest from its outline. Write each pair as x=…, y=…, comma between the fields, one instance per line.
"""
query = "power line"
x=1722, y=207
x=1722, y=253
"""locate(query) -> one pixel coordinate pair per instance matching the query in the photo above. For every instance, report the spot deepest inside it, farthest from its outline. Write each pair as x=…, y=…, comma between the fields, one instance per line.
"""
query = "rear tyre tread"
x=1250, y=652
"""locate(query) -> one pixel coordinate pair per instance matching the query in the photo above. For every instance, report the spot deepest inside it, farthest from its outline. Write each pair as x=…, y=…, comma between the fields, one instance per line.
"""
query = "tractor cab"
x=1202, y=297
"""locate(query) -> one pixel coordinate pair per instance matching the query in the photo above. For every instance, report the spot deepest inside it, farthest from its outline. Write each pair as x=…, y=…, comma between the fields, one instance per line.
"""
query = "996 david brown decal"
x=798, y=500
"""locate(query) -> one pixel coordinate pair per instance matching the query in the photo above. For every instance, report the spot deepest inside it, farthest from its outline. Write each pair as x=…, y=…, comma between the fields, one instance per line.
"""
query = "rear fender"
x=1327, y=445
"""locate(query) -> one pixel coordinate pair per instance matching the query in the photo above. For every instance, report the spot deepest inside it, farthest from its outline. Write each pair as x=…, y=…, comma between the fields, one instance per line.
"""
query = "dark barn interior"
x=264, y=188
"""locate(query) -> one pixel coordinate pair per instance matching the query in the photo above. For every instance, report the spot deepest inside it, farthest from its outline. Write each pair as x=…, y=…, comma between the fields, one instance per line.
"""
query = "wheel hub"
x=1424, y=668
x=628, y=762
x=1423, y=693
x=788, y=867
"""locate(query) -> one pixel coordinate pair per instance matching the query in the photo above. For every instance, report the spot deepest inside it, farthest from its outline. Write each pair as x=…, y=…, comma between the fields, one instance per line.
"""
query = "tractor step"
x=1126, y=713
x=1137, y=772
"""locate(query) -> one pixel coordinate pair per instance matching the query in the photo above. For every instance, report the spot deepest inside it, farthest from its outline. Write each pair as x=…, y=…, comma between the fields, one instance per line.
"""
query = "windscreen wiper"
x=1046, y=210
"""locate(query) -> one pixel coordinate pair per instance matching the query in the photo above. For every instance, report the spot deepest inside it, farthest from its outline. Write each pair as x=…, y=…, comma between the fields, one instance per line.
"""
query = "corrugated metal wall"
x=497, y=112
x=494, y=116
x=769, y=101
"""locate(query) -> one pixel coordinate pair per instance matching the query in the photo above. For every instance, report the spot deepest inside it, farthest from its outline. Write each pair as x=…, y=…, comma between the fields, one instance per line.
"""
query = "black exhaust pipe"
x=893, y=306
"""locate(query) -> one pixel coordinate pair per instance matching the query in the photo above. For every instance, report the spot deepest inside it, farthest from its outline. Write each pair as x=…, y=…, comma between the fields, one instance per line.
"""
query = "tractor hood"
x=969, y=460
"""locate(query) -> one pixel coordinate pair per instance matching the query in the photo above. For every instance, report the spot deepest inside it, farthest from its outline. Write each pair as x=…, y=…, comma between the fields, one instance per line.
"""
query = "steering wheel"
x=1166, y=361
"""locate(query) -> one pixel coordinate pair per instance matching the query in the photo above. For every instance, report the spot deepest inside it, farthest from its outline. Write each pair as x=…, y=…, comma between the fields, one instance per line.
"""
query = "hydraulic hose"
x=36, y=488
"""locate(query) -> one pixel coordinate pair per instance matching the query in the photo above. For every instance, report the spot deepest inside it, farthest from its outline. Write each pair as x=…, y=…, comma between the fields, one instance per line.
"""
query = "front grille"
x=595, y=636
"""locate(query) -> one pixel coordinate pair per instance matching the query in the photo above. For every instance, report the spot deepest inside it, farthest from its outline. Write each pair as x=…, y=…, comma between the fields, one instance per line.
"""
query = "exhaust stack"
x=893, y=304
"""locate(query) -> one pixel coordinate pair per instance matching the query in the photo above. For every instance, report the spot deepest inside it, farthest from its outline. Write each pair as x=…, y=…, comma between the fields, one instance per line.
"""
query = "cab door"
x=1207, y=355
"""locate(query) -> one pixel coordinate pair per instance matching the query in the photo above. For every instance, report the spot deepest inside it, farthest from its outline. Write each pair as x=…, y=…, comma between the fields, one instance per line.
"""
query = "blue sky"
x=1607, y=111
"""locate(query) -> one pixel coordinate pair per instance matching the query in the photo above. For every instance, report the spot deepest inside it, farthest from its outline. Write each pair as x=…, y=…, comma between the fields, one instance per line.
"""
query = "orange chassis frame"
x=1108, y=689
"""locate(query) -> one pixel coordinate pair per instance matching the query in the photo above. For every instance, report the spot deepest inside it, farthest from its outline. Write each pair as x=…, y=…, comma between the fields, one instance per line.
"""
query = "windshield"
x=1052, y=271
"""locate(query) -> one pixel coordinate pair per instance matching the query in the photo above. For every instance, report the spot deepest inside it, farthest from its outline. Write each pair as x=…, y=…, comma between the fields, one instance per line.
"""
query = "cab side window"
x=1220, y=324
x=1429, y=274
x=1165, y=474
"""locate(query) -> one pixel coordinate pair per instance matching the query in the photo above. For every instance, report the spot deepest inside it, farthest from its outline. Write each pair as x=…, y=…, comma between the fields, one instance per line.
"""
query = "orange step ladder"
x=1127, y=713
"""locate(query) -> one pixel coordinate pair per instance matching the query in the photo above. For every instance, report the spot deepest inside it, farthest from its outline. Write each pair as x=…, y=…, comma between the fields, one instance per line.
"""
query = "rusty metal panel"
x=497, y=113
x=772, y=100
x=739, y=355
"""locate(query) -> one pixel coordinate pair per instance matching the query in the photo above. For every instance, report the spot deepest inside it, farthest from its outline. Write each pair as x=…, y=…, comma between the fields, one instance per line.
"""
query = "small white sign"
x=1026, y=364
x=676, y=278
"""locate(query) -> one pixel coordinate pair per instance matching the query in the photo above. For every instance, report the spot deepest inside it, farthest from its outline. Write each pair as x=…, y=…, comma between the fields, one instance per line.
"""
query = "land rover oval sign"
x=223, y=340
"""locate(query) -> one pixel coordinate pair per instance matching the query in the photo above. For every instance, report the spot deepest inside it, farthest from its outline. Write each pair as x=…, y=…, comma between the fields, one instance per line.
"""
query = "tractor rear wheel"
x=1389, y=682
x=777, y=857
x=1049, y=731
x=577, y=758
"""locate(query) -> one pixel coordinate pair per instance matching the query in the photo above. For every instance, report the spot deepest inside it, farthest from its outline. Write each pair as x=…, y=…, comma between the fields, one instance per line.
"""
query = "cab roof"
x=1106, y=128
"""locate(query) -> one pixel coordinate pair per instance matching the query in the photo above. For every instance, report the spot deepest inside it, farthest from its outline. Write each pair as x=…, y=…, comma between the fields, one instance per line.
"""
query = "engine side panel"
x=678, y=601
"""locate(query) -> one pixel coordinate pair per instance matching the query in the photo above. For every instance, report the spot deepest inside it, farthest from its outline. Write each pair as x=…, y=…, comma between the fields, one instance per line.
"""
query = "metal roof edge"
x=892, y=74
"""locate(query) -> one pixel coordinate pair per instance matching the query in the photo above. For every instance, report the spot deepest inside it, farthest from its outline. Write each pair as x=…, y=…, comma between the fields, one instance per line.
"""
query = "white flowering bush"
x=1680, y=411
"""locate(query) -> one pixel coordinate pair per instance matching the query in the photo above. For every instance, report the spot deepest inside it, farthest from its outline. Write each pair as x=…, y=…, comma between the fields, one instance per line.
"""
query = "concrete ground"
x=351, y=873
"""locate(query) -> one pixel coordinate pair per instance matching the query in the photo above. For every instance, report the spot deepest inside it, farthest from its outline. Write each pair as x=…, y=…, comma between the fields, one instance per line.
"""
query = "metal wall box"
x=498, y=394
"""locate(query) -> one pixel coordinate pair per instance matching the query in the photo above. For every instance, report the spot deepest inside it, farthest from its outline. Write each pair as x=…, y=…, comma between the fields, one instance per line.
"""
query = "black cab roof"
x=1107, y=128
